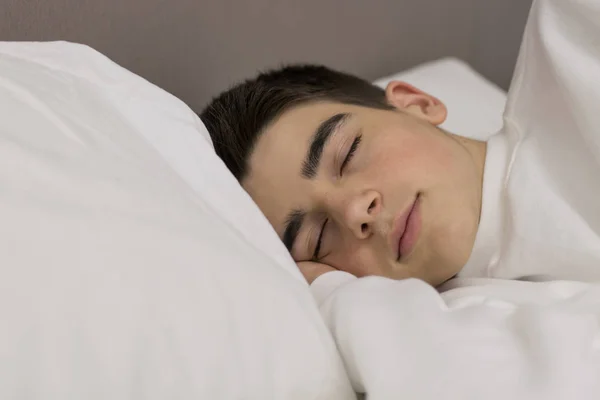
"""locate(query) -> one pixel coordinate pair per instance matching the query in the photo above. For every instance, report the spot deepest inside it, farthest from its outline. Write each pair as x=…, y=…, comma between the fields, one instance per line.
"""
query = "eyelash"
x=351, y=152
x=319, y=240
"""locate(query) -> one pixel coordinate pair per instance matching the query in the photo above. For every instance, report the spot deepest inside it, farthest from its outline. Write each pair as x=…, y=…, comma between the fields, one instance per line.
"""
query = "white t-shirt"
x=490, y=338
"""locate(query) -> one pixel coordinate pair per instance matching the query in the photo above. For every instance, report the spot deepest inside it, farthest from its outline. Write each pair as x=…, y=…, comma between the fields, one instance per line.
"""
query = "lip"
x=405, y=230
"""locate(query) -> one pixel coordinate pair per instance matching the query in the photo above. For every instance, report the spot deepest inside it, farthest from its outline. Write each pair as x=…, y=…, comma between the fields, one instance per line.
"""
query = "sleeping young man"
x=360, y=182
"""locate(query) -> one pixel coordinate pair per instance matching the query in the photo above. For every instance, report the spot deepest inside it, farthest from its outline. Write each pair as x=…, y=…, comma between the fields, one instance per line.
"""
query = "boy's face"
x=371, y=192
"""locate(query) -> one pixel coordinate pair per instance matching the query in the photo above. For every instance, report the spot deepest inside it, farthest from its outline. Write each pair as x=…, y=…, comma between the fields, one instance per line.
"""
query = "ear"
x=416, y=102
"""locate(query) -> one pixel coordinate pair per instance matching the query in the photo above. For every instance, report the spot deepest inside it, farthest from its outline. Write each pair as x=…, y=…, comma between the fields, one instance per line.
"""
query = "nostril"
x=364, y=228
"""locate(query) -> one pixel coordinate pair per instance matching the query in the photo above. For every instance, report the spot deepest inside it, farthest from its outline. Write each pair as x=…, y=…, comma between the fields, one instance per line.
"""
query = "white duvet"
x=480, y=339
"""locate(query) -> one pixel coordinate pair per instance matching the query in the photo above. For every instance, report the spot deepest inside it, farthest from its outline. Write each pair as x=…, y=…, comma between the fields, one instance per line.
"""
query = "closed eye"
x=351, y=152
x=315, y=256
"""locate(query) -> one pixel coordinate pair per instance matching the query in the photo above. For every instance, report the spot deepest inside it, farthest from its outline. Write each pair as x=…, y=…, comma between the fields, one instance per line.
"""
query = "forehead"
x=274, y=180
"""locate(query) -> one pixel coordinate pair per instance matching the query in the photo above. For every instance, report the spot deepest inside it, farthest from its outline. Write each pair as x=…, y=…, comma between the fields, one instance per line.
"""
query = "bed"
x=134, y=266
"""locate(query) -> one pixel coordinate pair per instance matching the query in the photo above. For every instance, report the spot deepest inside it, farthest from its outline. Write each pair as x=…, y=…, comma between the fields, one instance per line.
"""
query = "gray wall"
x=196, y=48
x=498, y=28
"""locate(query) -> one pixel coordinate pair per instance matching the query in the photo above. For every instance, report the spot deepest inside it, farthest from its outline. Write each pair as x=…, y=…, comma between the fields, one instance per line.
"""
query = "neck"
x=477, y=150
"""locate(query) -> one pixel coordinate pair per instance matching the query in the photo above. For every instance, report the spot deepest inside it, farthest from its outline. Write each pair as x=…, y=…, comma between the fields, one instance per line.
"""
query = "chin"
x=440, y=265
x=442, y=278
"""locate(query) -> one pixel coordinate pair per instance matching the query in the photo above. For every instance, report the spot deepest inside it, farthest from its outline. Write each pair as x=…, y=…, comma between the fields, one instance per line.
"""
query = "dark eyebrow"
x=317, y=144
x=293, y=223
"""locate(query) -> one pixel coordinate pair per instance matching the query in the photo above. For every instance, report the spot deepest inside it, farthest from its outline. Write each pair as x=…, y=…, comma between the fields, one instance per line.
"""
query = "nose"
x=361, y=213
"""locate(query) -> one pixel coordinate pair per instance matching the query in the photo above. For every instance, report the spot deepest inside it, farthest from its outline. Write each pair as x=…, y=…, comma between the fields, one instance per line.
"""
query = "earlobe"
x=408, y=98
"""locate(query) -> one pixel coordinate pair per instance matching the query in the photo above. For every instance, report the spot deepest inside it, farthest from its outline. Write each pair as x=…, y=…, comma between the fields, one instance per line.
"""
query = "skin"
x=402, y=153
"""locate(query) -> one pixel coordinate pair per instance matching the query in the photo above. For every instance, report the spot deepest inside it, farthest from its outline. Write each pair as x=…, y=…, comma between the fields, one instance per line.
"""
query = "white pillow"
x=126, y=271
x=475, y=105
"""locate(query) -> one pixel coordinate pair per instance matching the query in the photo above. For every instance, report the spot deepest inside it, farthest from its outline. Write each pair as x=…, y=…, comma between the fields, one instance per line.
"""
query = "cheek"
x=403, y=160
x=360, y=261
x=434, y=162
x=432, y=152
x=452, y=240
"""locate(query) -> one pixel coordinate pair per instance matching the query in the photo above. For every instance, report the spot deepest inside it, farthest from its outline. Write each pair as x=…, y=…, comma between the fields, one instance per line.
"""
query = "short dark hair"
x=236, y=118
